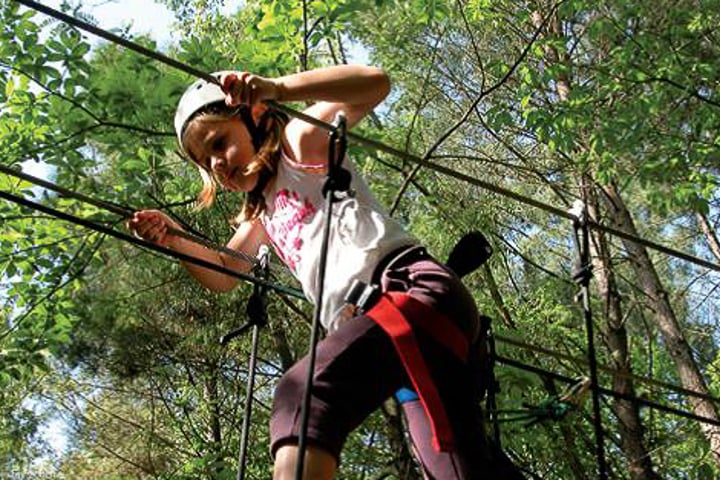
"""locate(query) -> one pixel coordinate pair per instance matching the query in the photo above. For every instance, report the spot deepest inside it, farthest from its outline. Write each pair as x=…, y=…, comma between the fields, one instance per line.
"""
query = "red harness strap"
x=393, y=313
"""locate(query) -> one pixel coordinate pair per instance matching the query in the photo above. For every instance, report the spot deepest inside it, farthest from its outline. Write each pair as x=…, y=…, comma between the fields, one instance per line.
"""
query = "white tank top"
x=361, y=233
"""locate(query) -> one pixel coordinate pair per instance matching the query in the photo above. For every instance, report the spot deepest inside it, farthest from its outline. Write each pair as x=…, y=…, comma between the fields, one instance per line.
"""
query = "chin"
x=244, y=184
x=249, y=183
x=245, y=187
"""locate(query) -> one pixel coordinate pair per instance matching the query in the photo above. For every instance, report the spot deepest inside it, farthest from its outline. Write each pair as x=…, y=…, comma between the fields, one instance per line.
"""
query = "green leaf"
x=9, y=88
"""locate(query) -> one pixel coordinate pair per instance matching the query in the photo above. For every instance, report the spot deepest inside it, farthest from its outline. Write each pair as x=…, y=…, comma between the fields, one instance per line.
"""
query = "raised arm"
x=352, y=89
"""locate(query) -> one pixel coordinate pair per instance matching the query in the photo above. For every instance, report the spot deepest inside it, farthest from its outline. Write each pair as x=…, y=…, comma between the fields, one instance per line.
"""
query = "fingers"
x=243, y=88
x=151, y=226
x=235, y=88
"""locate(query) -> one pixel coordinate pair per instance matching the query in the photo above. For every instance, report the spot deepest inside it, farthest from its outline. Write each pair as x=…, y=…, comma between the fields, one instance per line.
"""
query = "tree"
x=547, y=106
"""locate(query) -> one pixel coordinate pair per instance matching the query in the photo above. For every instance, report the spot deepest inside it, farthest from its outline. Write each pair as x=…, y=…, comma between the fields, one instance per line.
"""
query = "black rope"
x=338, y=180
x=608, y=392
x=257, y=318
x=583, y=361
x=142, y=243
x=124, y=212
x=372, y=143
x=582, y=276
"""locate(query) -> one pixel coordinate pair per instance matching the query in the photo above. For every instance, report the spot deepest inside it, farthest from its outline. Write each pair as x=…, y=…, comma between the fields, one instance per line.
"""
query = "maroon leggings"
x=357, y=368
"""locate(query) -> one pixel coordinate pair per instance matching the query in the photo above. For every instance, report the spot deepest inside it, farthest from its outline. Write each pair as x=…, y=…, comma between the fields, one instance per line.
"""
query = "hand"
x=152, y=226
x=244, y=88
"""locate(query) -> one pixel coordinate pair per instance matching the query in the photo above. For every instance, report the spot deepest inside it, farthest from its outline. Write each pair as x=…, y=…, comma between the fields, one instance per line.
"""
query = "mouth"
x=237, y=179
x=231, y=179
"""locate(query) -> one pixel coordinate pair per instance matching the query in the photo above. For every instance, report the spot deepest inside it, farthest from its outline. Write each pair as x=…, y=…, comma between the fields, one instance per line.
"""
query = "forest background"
x=614, y=103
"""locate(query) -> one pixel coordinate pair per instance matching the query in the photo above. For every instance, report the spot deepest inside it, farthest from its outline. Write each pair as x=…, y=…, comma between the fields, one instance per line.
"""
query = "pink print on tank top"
x=286, y=224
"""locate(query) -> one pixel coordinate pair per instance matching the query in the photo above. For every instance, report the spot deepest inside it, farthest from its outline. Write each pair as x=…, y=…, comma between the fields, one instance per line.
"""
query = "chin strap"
x=257, y=134
x=257, y=129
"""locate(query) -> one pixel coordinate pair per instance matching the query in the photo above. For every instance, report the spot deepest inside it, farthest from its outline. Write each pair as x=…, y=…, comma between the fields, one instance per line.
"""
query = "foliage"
x=123, y=346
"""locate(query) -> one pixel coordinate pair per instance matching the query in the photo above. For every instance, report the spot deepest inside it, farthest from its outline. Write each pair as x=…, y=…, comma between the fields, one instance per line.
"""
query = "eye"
x=218, y=144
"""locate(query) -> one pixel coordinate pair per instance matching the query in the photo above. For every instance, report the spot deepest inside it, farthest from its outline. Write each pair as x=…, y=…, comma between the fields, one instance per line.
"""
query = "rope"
x=608, y=392
x=125, y=212
x=142, y=243
x=582, y=276
x=582, y=361
x=336, y=183
x=372, y=143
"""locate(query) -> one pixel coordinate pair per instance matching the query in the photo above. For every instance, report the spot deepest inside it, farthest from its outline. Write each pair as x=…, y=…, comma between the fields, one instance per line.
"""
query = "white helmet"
x=199, y=95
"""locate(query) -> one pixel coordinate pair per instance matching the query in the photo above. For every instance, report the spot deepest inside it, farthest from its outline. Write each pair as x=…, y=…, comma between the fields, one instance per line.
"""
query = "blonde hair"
x=271, y=127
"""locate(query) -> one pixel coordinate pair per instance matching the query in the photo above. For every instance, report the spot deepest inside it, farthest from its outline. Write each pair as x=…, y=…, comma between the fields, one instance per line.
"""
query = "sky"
x=146, y=17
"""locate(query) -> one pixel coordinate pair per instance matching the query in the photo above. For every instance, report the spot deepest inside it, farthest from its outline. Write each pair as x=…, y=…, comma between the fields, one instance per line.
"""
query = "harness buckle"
x=362, y=296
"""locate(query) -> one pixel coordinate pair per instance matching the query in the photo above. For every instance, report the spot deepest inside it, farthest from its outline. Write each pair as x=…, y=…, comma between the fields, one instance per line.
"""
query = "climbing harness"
x=392, y=313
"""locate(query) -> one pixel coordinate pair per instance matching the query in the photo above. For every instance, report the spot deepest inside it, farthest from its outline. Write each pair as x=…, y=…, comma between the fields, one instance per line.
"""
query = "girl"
x=417, y=336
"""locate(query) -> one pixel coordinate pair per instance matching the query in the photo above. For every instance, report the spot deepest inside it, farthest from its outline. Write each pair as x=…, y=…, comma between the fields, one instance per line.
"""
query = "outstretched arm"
x=152, y=226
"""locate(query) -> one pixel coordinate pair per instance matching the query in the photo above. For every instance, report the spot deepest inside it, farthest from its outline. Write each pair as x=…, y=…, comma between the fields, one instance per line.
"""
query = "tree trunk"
x=628, y=413
x=502, y=310
x=665, y=319
x=631, y=431
x=710, y=235
x=213, y=404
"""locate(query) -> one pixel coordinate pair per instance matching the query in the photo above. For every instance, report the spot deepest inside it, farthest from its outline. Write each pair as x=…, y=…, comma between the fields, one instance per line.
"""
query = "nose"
x=217, y=164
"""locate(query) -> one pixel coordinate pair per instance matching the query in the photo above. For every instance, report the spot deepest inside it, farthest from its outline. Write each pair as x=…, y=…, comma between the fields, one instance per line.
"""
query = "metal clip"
x=362, y=296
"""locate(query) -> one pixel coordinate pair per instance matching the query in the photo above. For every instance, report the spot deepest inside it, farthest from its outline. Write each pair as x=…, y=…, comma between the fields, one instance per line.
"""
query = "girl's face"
x=225, y=149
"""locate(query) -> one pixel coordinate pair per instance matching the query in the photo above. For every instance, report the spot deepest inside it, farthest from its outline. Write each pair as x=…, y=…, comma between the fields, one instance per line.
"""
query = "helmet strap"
x=256, y=130
x=258, y=135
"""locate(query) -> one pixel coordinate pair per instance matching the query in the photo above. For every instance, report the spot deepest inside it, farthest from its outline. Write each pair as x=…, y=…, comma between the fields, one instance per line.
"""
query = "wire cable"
x=582, y=276
x=124, y=212
x=582, y=361
x=142, y=243
x=371, y=143
x=607, y=391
